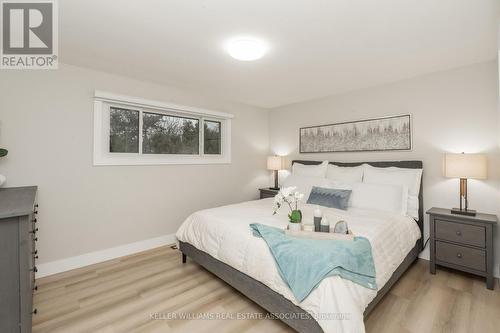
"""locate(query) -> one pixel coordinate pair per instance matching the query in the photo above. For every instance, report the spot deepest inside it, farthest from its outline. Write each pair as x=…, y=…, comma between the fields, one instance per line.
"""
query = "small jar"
x=325, y=225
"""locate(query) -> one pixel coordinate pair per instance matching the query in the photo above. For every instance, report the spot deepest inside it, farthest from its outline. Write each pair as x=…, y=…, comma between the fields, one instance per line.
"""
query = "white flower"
x=287, y=195
x=298, y=196
x=287, y=191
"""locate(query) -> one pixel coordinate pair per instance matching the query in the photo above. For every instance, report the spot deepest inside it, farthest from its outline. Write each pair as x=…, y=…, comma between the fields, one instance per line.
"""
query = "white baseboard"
x=86, y=259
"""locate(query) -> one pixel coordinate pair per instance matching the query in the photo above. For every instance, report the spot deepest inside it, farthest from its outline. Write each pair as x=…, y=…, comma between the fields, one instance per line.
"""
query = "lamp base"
x=468, y=212
x=274, y=188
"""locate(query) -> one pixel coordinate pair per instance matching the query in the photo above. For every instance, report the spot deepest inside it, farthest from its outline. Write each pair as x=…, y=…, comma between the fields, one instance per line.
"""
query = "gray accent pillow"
x=329, y=197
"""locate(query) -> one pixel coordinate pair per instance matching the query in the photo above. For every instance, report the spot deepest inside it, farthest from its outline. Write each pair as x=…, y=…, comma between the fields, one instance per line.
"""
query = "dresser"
x=18, y=254
x=462, y=242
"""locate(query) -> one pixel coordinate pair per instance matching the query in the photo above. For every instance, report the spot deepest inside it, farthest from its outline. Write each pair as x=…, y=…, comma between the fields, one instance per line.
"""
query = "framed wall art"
x=379, y=134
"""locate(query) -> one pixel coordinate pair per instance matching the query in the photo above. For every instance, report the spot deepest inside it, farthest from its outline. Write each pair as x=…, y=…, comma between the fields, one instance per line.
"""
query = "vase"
x=293, y=226
x=295, y=216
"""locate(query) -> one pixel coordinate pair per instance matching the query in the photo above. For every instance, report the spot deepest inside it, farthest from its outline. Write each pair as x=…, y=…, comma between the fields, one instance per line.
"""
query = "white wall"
x=453, y=111
x=46, y=123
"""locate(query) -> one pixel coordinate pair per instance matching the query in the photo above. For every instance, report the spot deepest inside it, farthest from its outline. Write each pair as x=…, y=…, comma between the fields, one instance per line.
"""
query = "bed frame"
x=275, y=303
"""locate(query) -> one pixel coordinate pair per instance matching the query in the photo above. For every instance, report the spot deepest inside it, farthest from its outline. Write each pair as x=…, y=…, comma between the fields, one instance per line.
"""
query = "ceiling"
x=317, y=47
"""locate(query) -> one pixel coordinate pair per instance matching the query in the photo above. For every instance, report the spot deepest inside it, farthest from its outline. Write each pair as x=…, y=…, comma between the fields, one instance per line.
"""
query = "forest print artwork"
x=389, y=133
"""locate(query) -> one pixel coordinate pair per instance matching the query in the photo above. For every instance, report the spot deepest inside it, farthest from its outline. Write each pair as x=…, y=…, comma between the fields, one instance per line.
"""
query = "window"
x=133, y=131
x=123, y=131
x=212, y=137
x=164, y=134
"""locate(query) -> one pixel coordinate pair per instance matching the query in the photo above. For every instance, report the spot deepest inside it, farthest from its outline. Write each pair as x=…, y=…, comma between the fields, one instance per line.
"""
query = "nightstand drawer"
x=267, y=193
x=461, y=255
x=460, y=233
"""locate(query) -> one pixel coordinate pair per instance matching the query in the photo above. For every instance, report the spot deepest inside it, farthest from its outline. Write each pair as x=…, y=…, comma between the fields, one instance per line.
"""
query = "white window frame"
x=103, y=101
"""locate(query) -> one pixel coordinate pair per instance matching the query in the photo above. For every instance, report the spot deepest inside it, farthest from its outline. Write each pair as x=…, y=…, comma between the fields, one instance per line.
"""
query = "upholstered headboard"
x=386, y=164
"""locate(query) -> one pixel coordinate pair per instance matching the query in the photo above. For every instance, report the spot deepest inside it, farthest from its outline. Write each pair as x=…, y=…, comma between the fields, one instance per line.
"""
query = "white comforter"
x=337, y=304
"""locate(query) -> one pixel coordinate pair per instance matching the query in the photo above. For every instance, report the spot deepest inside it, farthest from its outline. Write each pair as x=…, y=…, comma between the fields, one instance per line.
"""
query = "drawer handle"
x=34, y=269
x=459, y=255
x=35, y=239
x=35, y=288
x=459, y=233
x=35, y=257
x=34, y=252
x=34, y=231
x=34, y=220
x=35, y=311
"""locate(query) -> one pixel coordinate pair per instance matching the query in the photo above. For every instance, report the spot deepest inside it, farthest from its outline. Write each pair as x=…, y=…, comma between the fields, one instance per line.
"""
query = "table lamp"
x=465, y=166
x=275, y=163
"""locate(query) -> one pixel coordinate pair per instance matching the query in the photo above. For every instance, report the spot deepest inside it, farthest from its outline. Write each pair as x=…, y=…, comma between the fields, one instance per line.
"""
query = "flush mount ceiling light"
x=246, y=48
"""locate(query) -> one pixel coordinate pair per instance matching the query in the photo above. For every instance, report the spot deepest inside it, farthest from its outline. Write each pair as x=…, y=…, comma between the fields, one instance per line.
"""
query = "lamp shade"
x=465, y=166
x=274, y=163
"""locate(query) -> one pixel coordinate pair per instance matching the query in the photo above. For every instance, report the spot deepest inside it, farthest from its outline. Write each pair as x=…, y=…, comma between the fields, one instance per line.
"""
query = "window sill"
x=182, y=160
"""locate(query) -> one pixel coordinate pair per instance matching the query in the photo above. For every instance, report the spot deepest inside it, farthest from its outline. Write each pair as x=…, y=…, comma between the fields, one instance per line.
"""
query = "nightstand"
x=267, y=192
x=462, y=242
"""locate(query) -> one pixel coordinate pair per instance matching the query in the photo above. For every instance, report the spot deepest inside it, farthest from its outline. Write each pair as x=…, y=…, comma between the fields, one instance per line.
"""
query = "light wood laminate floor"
x=125, y=295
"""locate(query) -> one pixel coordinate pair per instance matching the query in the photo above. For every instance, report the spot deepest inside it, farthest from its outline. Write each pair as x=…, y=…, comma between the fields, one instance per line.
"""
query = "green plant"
x=3, y=152
x=295, y=216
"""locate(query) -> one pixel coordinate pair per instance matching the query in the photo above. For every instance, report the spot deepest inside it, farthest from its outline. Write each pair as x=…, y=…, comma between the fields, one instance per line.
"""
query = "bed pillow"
x=303, y=184
x=383, y=197
x=304, y=170
x=329, y=197
x=410, y=178
x=347, y=175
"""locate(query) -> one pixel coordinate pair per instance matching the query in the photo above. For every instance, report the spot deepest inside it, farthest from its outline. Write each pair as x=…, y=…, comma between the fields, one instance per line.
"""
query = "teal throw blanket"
x=304, y=263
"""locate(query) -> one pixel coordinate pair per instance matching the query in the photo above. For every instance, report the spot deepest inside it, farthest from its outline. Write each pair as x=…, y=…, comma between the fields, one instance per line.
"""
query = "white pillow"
x=305, y=184
x=347, y=175
x=304, y=170
x=387, y=198
x=397, y=176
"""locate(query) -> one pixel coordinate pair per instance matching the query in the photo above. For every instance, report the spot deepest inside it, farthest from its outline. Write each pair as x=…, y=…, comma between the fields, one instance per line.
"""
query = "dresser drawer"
x=460, y=233
x=461, y=255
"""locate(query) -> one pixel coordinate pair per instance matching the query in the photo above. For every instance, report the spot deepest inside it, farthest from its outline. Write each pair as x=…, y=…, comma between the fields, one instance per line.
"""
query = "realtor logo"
x=29, y=34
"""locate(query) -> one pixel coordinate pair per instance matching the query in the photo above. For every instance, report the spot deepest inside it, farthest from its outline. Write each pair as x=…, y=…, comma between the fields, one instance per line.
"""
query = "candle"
x=318, y=214
x=308, y=227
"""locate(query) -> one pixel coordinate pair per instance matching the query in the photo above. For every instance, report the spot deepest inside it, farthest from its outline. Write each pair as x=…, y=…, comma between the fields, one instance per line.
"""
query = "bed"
x=220, y=241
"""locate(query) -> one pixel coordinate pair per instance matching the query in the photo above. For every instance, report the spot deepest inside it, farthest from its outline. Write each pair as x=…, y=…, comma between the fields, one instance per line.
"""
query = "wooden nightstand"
x=462, y=242
x=267, y=192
